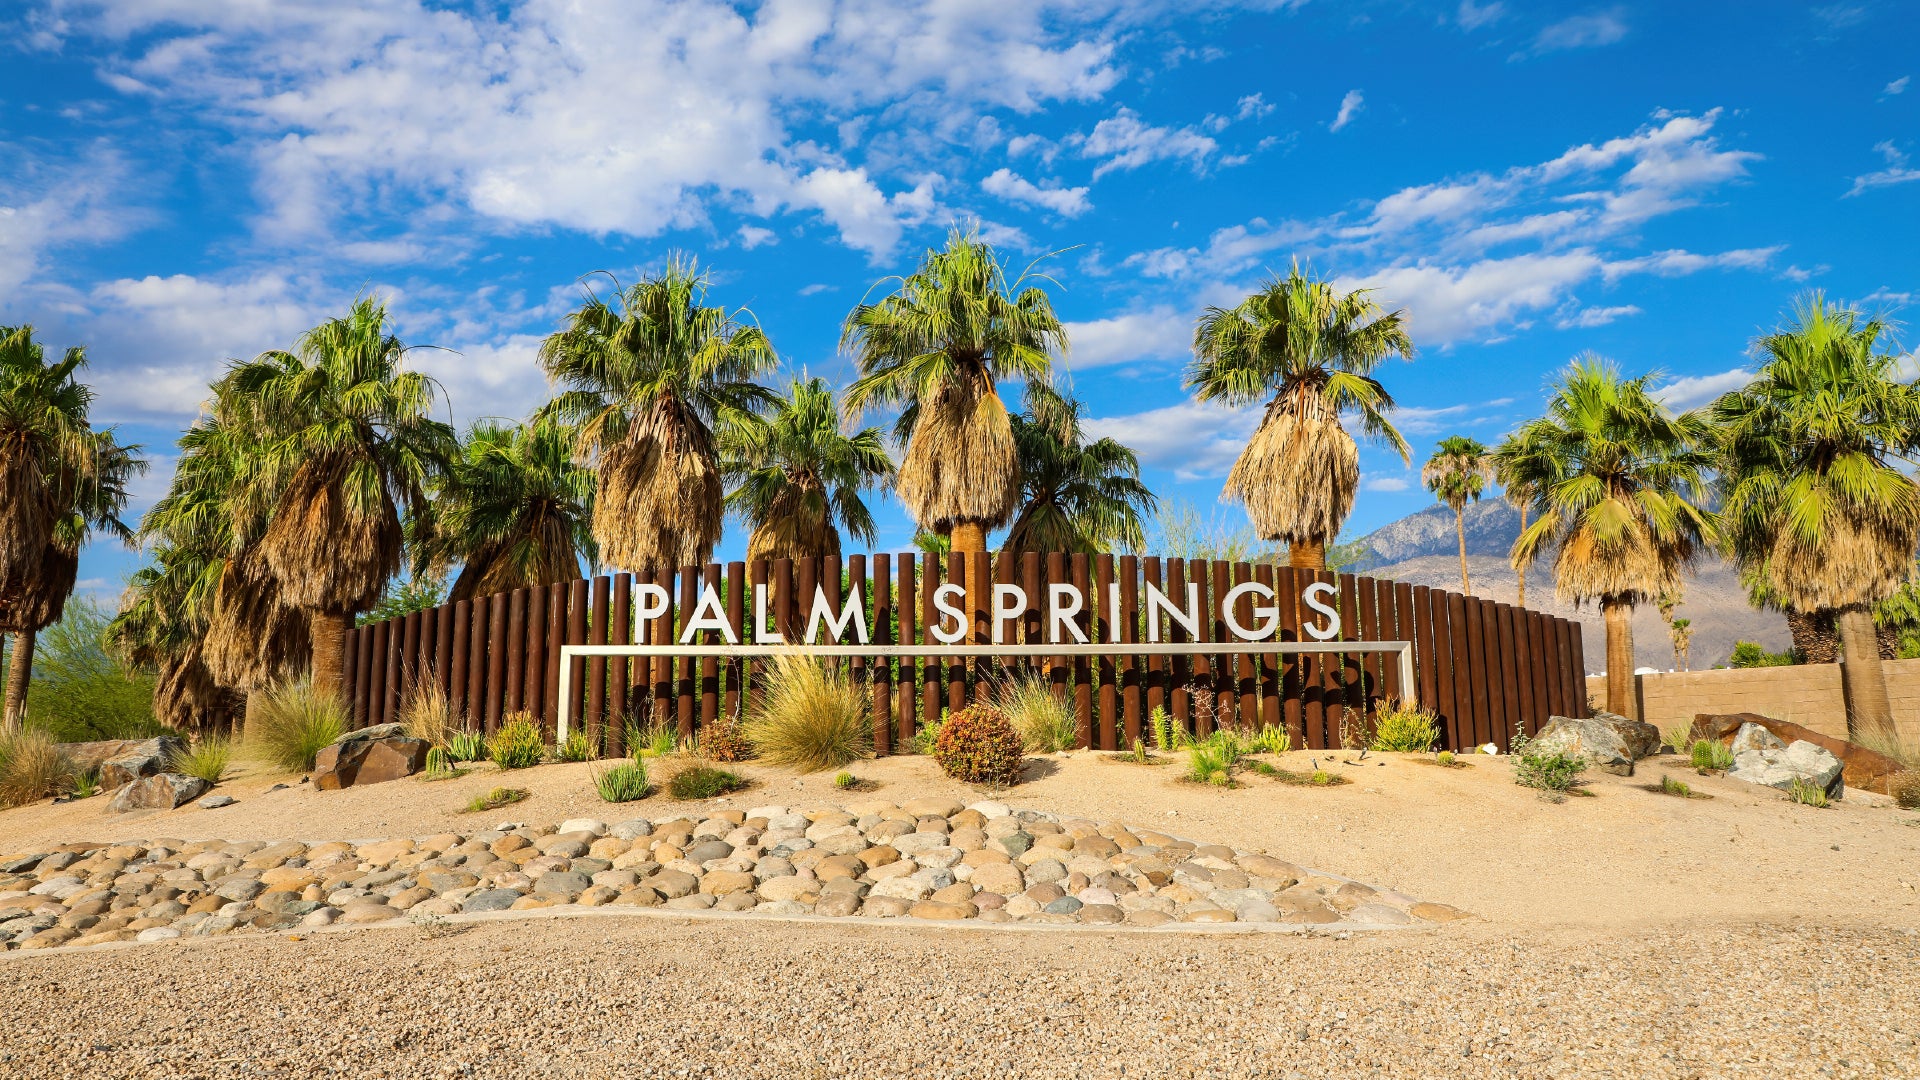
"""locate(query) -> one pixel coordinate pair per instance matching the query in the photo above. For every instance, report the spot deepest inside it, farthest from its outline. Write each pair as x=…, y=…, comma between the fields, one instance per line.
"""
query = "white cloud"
x=1350, y=107
x=1472, y=16
x=816, y=288
x=1694, y=391
x=526, y=114
x=1896, y=171
x=1681, y=263
x=1011, y=186
x=1384, y=483
x=1896, y=87
x=1252, y=107
x=753, y=236
x=49, y=206
x=500, y=378
x=1582, y=32
x=1195, y=441
x=1587, y=318
x=1161, y=333
x=1125, y=142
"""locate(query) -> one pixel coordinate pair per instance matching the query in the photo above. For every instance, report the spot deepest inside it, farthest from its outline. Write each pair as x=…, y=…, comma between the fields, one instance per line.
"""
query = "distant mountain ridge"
x=1421, y=548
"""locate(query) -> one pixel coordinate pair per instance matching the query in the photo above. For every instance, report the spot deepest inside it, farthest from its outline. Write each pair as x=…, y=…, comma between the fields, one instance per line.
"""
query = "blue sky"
x=184, y=181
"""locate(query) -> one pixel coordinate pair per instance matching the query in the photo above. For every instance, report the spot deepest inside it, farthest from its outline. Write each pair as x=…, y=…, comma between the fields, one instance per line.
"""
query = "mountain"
x=1422, y=549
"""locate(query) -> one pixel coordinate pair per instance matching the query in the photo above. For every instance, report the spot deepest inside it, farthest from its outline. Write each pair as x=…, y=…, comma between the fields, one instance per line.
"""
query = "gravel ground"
x=651, y=996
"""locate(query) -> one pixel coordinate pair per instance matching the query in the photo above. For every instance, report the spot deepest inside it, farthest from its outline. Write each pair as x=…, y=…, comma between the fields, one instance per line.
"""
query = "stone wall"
x=1806, y=694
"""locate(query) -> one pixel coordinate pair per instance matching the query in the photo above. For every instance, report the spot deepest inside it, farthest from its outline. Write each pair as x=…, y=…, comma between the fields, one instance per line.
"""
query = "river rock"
x=161, y=791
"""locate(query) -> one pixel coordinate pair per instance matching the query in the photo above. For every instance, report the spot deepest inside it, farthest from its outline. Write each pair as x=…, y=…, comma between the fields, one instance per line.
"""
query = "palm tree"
x=647, y=381
x=1076, y=495
x=1618, y=482
x=1457, y=473
x=60, y=481
x=939, y=345
x=1313, y=349
x=343, y=441
x=513, y=509
x=1515, y=493
x=1681, y=631
x=1811, y=484
x=798, y=477
x=1815, y=638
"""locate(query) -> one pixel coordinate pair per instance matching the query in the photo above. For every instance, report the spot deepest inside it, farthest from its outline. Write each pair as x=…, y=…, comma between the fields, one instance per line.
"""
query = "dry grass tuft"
x=1044, y=722
x=293, y=724
x=427, y=714
x=812, y=718
x=206, y=759
x=32, y=768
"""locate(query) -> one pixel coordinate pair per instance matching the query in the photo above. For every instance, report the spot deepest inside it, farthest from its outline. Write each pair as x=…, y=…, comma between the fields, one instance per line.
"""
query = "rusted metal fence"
x=1487, y=670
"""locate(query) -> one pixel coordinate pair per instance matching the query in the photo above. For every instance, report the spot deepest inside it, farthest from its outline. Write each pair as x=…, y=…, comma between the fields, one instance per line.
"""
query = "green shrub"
x=81, y=690
x=494, y=800
x=205, y=758
x=625, y=782
x=1670, y=786
x=1808, y=793
x=1401, y=728
x=1554, y=773
x=704, y=782
x=1711, y=754
x=85, y=785
x=466, y=746
x=1139, y=754
x=1212, y=760
x=576, y=748
x=293, y=724
x=978, y=745
x=517, y=745
x=1748, y=654
x=654, y=740
x=845, y=780
x=1445, y=757
x=928, y=734
x=440, y=765
x=1166, y=737
x=1268, y=740
x=724, y=741
x=811, y=717
x=1317, y=778
x=1045, y=723
x=32, y=768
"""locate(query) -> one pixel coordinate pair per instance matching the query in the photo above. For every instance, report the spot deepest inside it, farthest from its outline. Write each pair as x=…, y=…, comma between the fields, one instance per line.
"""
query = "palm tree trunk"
x=1813, y=636
x=329, y=637
x=1869, y=713
x=1620, y=696
x=1460, y=530
x=969, y=537
x=19, y=678
x=1307, y=555
x=1521, y=600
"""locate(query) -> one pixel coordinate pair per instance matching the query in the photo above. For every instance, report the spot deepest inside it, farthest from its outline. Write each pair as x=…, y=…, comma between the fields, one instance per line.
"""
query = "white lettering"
x=762, y=633
x=652, y=603
x=852, y=613
x=1310, y=596
x=939, y=631
x=1158, y=602
x=1063, y=603
x=1113, y=613
x=1008, y=602
x=1268, y=614
x=708, y=614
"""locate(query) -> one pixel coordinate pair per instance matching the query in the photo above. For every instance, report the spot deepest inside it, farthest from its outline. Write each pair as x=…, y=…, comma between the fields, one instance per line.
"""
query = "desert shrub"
x=466, y=746
x=293, y=724
x=1445, y=757
x=81, y=690
x=576, y=747
x=1270, y=739
x=1711, y=754
x=724, y=741
x=1212, y=761
x=427, y=714
x=32, y=768
x=845, y=780
x=704, y=782
x=1405, y=729
x=85, y=784
x=1555, y=773
x=494, y=800
x=1317, y=778
x=1905, y=789
x=1044, y=722
x=1139, y=754
x=1807, y=793
x=978, y=745
x=205, y=758
x=811, y=718
x=928, y=735
x=1166, y=735
x=1750, y=654
x=440, y=765
x=654, y=740
x=517, y=745
x=624, y=782
x=1670, y=786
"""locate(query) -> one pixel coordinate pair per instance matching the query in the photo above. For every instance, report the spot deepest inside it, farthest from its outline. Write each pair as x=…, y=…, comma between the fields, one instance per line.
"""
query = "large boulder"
x=371, y=755
x=1800, y=760
x=121, y=761
x=1599, y=742
x=1864, y=769
x=1642, y=740
x=162, y=791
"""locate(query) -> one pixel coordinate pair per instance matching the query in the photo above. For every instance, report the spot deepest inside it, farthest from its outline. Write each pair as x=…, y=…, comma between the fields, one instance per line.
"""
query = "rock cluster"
x=929, y=859
x=1761, y=757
